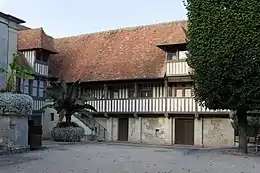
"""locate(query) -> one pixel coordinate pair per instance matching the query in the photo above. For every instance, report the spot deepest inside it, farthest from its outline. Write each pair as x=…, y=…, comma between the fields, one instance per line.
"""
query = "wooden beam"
x=166, y=88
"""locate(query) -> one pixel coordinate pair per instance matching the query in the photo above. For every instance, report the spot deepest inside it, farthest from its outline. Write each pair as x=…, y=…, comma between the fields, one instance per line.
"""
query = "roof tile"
x=128, y=53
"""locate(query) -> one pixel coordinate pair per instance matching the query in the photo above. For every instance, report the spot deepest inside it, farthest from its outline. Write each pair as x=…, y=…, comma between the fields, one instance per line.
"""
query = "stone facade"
x=218, y=132
x=14, y=129
x=208, y=132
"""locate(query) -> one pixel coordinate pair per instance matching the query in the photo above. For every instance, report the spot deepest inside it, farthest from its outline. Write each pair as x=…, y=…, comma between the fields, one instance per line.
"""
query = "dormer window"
x=172, y=56
x=178, y=55
x=42, y=56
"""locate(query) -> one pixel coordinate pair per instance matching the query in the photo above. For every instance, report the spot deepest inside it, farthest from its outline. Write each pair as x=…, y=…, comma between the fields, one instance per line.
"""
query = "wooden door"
x=122, y=129
x=184, y=131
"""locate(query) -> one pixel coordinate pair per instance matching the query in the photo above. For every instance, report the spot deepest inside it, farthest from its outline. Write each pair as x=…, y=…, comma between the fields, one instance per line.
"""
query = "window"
x=145, y=90
x=45, y=57
x=183, y=54
x=147, y=93
x=38, y=55
x=25, y=86
x=41, y=89
x=131, y=94
x=52, y=116
x=35, y=88
x=172, y=56
x=115, y=94
x=38, y=88
x=178, y=55
x=42, y=56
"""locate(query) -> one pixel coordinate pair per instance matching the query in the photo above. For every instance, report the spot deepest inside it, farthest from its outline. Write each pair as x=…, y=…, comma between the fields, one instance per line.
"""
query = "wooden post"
x=136, y=93
x=105, y=97
x=165, y=97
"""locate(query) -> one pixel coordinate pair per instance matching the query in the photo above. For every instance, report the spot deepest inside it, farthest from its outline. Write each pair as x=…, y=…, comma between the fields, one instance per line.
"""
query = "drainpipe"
x=141, y=130
x=202, y=136
x=172, y=130
x=112, y=130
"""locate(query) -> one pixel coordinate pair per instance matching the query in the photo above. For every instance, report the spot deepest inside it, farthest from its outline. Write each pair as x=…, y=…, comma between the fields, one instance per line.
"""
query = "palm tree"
x=18, y=70
x=66, y=100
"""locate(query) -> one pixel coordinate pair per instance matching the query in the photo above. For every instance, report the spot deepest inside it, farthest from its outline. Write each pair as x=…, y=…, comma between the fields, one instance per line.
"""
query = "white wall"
x=48, y=124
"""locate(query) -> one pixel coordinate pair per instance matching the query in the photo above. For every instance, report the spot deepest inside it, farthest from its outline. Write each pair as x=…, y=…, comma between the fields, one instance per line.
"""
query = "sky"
x=60, y=18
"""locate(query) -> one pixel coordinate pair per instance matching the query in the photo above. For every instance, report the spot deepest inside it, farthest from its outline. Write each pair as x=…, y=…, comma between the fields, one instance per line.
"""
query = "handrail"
x=94, y=127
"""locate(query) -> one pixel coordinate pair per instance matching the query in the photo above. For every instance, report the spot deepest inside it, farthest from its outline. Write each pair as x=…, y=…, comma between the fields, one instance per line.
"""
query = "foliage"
x=15, y=104
x=253, y=125
x=64, y=133
x=66, y=100
x=223, y=44
x=18, y=70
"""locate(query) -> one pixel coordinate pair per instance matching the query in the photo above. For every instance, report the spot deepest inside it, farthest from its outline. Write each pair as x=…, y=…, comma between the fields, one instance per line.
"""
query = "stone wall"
x=18, y=132
x=217, y=132
x=156, y=130
x=208, y=132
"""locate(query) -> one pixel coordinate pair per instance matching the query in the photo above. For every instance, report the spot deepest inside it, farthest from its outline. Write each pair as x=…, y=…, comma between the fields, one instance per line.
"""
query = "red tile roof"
x=35, y=39
x=129, y=53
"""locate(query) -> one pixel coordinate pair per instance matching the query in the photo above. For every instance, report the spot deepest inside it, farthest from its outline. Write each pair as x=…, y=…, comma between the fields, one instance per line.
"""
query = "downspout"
x=112, y=130
x=202, y=129
x=8, y=40
x=141, y=130
x=172, y=130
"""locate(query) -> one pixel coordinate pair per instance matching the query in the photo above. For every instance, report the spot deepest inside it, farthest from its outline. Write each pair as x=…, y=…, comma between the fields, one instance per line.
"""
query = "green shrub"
x=63, y=133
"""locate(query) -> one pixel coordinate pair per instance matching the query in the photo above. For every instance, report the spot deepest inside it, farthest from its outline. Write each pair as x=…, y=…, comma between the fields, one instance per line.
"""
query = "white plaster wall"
x=48, y=124
x=218, y=132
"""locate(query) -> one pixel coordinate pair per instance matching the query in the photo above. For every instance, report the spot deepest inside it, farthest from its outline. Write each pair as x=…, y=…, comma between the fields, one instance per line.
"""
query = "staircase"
x=98, y=132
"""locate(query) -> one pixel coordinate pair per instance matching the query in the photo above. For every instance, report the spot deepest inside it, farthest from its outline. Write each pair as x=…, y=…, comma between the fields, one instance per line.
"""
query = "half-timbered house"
x=140, y=80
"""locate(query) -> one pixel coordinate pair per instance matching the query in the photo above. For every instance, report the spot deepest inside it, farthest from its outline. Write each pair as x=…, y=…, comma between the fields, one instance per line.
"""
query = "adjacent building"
x=139, y=78
x=8, y=42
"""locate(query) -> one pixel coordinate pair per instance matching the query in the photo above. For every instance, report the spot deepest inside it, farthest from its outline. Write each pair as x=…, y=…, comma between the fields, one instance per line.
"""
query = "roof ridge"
x=126, y=28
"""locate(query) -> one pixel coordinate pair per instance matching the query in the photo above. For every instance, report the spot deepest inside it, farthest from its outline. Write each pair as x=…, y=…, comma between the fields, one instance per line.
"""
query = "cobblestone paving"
x=90, y=158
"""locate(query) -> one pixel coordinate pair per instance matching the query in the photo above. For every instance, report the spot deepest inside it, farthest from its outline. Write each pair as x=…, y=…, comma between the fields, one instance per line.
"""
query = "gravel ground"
x=91, y=158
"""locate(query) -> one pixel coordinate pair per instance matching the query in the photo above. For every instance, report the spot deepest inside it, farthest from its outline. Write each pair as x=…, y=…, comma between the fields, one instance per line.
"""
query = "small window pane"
x=183, y=54
x=26, y=82
x=41, y=92
x=26, y=90
x=41, y=84
x=35, y=83
x=34, y=92
x=115, y=95
x=146, y=93
x=131, y=94
x=172, y=56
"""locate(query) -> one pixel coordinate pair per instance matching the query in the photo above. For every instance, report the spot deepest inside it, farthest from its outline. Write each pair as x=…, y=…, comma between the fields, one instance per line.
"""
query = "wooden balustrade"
x=150, y=105
x=177, y=68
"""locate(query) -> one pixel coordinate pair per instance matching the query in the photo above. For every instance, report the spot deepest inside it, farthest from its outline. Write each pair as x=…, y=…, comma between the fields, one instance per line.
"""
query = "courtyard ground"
x=103, y=158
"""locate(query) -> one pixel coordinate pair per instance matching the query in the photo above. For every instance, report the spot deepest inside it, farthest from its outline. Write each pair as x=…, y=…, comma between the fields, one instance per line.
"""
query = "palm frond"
x=51, y=105
x=64, y=87
x=53, y=93
x=61, y=115
x=23, y=75
x=85, y=107
x=73, y=88
x=3, y=70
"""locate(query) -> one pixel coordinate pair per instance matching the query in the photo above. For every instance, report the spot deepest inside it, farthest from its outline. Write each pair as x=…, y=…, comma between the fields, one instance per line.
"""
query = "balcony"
x=41, y=69
x=175, y=105
x=177, y=68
